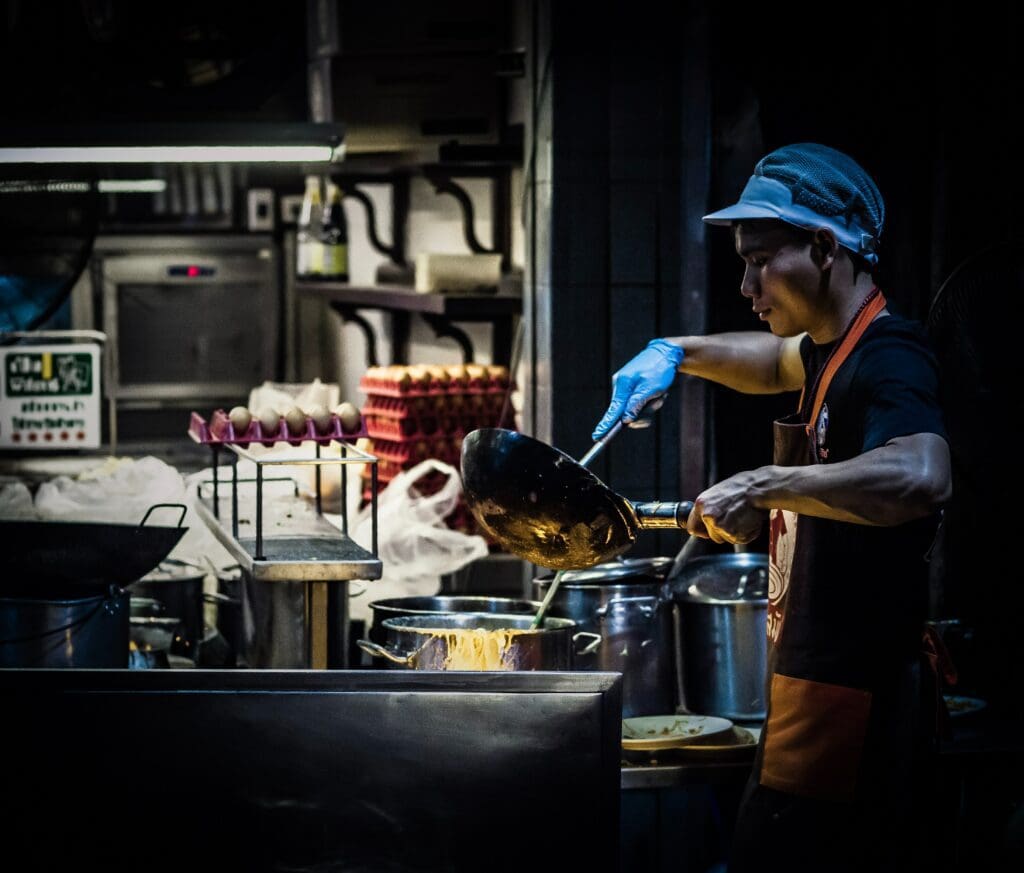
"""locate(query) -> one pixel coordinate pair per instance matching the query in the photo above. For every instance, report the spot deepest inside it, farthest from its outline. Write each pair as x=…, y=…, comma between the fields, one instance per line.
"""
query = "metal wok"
x=84, y=554
x=540, y=504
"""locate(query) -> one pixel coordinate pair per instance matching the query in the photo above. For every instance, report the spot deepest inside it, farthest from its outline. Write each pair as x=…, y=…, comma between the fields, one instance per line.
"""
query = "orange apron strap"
x=872, y=305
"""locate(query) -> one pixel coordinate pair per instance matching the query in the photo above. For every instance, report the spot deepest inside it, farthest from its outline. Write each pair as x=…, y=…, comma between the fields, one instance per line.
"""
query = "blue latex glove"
x=643, y=380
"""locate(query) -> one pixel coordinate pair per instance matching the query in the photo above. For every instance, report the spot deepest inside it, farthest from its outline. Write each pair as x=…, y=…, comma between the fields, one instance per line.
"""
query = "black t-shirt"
x=887, y=388
x=871, y=582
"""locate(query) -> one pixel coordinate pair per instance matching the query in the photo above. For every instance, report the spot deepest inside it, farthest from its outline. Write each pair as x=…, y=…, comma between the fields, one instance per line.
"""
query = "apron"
x=805, y=806
x=815, y=731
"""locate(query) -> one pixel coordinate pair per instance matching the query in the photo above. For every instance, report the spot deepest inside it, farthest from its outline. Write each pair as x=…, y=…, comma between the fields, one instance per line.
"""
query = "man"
x=860, y=473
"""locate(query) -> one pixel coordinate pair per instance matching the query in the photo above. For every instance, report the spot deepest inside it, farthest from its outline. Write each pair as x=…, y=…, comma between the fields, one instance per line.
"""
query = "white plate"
x=649, y=732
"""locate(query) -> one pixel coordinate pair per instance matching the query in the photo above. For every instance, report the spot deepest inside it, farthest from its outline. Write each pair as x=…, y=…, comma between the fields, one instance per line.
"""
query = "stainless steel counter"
x=358, y=770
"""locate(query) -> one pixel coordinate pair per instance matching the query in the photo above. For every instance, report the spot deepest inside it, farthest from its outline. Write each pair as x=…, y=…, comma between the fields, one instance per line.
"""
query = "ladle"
x=543, y=506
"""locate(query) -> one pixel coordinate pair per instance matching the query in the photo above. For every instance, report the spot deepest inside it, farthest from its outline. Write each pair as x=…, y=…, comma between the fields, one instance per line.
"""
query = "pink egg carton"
x=220, y=431
x=378, y=382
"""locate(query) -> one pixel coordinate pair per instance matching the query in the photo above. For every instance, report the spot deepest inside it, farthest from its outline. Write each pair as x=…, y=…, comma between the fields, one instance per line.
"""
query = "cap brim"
x=738, y=212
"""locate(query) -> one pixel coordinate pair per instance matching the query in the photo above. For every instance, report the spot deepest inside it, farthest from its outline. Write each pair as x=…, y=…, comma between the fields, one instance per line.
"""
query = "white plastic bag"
x=412, y=539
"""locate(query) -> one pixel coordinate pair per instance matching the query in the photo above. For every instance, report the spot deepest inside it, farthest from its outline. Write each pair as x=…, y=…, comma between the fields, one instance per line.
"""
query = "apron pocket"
x=814, y=738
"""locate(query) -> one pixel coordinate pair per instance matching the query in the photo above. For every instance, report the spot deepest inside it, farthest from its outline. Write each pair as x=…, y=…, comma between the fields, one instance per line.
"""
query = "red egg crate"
x=220, y=431
x=389, y=386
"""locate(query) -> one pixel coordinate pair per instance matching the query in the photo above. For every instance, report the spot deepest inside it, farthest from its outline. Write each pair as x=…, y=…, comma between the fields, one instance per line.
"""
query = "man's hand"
x=640, y=383
x=724, y=513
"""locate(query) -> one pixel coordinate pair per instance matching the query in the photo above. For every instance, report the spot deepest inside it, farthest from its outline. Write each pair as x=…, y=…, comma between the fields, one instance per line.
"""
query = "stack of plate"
x=670, y=737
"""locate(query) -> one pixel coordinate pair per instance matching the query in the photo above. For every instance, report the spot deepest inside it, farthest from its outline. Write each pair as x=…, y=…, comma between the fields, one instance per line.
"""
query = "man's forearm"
x=905, y=479
x=746, y=361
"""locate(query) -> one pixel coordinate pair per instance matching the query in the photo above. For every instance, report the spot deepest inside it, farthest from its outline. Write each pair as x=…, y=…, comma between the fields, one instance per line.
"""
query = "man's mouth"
x=762, y=313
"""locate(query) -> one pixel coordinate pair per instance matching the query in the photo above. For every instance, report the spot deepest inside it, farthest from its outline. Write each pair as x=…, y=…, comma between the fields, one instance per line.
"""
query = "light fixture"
x=173, y=143
x=71, y=186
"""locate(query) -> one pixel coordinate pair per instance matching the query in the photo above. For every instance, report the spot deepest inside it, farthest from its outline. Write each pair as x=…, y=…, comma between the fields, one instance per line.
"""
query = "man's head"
x=807, y=210
x=813, y=186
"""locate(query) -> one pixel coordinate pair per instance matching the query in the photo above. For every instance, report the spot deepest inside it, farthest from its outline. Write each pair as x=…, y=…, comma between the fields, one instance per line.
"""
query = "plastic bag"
x=412, y=539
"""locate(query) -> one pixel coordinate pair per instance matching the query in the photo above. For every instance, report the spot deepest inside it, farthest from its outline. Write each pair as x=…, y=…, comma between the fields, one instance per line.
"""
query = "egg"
x=295, y=418
x=240, y=419
x=349, y=417
x=270, y=421
x=321, y=418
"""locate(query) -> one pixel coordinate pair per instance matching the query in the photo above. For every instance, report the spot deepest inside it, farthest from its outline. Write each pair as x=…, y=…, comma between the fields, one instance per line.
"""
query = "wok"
x=543, y=506
x=86, y=554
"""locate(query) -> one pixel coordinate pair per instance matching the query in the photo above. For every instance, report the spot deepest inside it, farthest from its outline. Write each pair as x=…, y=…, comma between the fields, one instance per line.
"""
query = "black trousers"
x=783, y=832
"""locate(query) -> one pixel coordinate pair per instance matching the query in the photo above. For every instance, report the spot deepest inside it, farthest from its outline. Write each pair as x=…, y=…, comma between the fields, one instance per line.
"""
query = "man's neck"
x=842, y=308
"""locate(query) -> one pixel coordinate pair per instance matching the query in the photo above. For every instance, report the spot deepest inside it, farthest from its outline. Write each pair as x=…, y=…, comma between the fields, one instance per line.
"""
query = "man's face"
x=781, y=278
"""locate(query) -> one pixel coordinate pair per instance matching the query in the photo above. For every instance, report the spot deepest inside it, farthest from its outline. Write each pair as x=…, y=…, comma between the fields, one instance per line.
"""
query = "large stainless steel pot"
x=627, y=604
x=721, y=642
x=422, y=642
x=397, y=607
x=60, y=628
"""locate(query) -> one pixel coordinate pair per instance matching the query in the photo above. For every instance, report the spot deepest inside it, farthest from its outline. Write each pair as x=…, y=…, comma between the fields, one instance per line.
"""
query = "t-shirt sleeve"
x=897, y=383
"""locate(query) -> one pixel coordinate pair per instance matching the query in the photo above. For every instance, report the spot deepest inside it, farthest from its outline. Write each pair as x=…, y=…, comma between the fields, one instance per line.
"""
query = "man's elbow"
x=928, y=482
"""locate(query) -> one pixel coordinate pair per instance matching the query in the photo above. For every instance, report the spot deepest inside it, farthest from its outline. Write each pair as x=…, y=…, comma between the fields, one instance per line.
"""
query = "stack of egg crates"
x=423, y=411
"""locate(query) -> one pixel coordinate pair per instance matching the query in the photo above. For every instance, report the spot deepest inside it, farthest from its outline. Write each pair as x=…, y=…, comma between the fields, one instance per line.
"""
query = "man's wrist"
x=764, y=487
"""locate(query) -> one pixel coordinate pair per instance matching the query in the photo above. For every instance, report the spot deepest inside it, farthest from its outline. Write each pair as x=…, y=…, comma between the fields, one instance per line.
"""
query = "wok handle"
x=180, y=506
x=381, y=652
x=655, y=515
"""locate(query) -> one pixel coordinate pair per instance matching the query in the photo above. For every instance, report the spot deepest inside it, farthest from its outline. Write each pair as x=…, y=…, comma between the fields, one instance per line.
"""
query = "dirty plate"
x=650, y=732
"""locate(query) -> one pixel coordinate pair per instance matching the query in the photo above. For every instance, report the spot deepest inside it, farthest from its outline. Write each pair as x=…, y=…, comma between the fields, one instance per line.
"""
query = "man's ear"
x=824, y=247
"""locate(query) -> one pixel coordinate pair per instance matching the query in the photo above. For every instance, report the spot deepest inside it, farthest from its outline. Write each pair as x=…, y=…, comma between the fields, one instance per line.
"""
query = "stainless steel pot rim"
x=474, y=620
x=417, y=605
x=628, y=571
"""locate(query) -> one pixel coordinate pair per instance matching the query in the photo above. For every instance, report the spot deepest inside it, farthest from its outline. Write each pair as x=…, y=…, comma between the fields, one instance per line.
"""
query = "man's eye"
x=759, y=261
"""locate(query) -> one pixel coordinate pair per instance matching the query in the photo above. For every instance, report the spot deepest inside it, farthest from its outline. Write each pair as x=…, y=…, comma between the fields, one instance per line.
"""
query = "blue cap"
x=813, y=186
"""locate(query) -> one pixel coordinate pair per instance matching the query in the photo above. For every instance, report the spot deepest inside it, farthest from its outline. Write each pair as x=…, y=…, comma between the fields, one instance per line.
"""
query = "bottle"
x=309, y=257
x=334, y=236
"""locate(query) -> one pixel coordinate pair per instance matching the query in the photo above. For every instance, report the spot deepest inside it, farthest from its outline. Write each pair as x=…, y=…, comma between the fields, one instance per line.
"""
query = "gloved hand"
x=644, y=379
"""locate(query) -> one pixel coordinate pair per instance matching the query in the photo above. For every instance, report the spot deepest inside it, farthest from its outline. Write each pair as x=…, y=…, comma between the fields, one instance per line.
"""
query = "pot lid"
x=732, y=578
x=615, y=572
x=174, y=570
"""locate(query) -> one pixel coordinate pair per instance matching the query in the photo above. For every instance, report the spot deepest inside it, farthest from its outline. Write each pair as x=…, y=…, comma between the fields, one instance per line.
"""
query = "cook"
x=860, y=473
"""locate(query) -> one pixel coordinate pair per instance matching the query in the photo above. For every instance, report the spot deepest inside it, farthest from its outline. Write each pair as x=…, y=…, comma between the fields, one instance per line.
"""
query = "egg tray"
x=426, y=427
x=392, y=388
x=220, y=431
x=413, y=451
x=448, y=404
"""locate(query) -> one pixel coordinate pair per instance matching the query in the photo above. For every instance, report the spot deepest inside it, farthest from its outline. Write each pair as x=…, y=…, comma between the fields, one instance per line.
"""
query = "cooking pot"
x=397, y=607
x=626, y=603
x=57, y=627
x=431, y=642
x=178, y=585
x=721, y=634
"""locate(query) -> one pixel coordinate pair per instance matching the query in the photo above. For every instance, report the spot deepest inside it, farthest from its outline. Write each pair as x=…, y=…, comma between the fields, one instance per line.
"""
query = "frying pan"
x=84, y=554
x=543, y=506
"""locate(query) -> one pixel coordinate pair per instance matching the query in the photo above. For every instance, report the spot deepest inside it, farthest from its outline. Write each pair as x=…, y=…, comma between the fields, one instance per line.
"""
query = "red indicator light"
x=192, y=271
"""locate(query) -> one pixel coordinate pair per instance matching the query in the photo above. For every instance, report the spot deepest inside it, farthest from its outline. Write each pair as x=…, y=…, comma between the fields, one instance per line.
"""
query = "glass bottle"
x=334, y=236
x=309, y=257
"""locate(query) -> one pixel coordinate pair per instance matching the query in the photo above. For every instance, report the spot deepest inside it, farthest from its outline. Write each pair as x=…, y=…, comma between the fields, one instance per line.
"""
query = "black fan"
x=972, y=325
x=47, y=229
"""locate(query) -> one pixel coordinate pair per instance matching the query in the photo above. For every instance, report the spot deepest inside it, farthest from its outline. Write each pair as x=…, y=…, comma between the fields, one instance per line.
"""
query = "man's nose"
x=750, y=287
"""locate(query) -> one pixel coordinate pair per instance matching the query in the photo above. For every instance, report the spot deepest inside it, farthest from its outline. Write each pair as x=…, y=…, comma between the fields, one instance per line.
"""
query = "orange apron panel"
x=814, y=737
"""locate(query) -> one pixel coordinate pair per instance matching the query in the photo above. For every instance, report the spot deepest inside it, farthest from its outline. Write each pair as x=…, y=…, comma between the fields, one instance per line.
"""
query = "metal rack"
x=309, y=571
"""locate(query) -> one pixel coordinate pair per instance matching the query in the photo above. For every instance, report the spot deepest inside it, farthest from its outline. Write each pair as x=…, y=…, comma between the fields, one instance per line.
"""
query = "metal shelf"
x=325, y=554
x=438, y=310
x=317, y=552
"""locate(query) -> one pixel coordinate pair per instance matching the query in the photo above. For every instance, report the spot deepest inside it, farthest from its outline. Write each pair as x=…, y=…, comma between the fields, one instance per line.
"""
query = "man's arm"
x=907, y=478
x=752, y=362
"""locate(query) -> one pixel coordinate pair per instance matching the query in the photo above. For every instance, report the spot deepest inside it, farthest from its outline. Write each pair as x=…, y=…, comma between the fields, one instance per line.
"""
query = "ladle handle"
x=655, y=515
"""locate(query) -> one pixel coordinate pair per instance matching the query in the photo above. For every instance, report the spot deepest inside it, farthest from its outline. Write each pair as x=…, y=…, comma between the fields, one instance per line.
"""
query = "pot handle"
x=381, y=652
x=646, y=604
x=595, y=641
x=218, y=598
x=180, y=506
